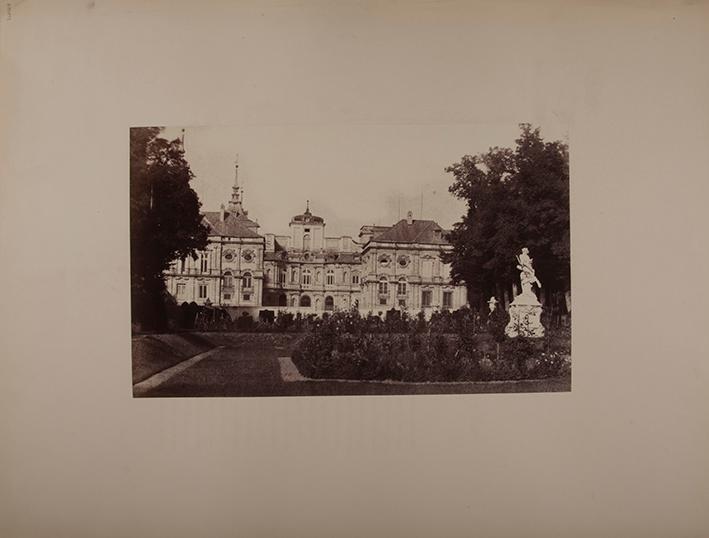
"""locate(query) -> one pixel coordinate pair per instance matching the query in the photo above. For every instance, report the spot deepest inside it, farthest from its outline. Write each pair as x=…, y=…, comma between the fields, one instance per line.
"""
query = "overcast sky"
x=353, y=174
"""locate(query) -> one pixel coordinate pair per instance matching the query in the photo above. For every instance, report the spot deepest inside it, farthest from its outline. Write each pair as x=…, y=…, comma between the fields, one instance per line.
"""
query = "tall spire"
x=237, y=197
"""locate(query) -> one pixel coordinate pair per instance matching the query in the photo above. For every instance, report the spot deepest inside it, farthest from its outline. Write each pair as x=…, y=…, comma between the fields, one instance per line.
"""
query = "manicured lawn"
x=153, y=353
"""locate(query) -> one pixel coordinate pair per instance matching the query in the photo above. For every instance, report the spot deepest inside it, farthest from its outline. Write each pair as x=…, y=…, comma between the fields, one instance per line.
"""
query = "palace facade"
x=243, y=270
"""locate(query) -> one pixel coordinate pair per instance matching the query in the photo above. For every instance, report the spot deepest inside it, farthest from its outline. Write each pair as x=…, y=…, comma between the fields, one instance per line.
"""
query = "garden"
x=449, y=347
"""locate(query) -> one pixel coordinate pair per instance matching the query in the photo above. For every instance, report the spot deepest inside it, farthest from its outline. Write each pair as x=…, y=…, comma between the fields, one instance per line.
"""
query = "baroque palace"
x=241, y=270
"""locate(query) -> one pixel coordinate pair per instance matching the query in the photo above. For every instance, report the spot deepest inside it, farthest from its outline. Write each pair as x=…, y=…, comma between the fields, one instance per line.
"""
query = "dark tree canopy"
x=516, y=198
x=165, y=219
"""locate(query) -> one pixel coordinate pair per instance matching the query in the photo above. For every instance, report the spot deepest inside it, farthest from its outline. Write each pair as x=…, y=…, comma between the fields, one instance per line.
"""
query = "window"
x=305, y=301
x=306, y=242
x=383, y=287
x=426, y=296
x=182, y=265
x=228, y=280
x=204, y=262
x=448, y=299
x=355, y=279
x=329, y=303
x=401, y=287
x=227, y=296
x=330, y=277
x=282, y=278
x=246, y=280
x=427, y=268
x=247, y=296
x=306, y=278
x=402, y=303
x=180, y=290
x=202, y=291
x=382, y=300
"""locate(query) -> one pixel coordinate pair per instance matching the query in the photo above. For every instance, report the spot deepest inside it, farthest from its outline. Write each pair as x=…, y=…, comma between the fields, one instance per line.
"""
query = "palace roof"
x=307, y=217
x=419, y=231
x=231, y=226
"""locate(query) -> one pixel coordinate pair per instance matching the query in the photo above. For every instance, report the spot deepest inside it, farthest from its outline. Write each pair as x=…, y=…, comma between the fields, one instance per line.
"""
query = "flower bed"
x=330, y=353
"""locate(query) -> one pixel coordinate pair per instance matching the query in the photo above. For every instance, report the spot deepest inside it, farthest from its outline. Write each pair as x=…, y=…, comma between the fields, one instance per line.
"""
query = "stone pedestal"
x=525, y=312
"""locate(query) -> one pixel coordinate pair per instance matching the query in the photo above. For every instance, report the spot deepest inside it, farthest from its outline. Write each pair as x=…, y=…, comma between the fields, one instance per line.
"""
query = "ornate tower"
x=307, y=230
x=236, y=204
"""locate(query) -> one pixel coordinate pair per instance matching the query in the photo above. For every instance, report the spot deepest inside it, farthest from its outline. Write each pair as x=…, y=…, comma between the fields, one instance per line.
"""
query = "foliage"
x=341, y=347
x=497, y=320
x=164, y=218
x=516, y=197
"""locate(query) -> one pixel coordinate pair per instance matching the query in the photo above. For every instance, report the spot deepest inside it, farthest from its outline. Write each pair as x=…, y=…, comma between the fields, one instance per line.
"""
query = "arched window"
x=383, y=286
x=204, y=261
x=355, y=278
x=306, y=278
x=329, y=303
x=228, y=280
x=247, y=280
x=305, y=301
x=306, y=242
x=330, y=277
x=401, y=286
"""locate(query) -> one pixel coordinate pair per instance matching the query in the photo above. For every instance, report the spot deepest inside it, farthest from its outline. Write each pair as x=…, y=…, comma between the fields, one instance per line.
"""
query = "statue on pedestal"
x=525, y=309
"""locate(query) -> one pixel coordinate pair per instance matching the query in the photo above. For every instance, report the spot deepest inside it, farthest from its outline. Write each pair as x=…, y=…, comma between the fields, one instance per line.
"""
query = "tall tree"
x=516, y=197
x=165, y=219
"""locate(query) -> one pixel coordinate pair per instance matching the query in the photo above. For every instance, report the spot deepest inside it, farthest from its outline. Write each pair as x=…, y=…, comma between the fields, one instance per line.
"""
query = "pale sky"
x=353, y=174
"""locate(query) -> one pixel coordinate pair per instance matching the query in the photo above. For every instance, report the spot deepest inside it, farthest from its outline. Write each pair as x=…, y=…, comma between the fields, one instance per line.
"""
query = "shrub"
x=497, y=320
x=245, y=322
x=343, y=346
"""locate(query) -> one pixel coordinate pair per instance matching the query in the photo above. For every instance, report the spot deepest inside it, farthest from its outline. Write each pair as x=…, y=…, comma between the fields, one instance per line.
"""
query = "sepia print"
x=282, y=261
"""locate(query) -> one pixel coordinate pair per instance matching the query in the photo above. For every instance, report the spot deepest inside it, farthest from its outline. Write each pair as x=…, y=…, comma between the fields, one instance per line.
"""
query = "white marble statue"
x=492, y=303
x=527, y=276
x=525, y=310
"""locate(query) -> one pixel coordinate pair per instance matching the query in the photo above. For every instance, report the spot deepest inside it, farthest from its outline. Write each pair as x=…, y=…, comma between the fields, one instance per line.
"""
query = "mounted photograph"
x=305, y=260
